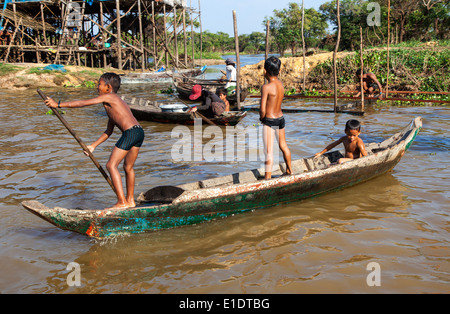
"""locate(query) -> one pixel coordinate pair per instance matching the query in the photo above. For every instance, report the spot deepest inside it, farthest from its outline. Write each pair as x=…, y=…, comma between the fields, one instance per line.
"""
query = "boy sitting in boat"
x=271, y=116
x=127, y=148
x=222, y=92
x=370, y=84
x=354, y=146
x=212, y=105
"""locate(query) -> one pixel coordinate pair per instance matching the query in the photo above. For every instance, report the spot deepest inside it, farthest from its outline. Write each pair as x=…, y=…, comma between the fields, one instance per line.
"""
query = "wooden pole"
x=303, y=40
x=335, y=53
x=267, y=46
x=166, y=54
x=185, y=38
x=85, y=148
x=43, y=24
x=11, y=40
x=388, y=42
x=175, y=34
x=119, y=37
x=103, y=34
x=201, y=35
x=238, y=63
x=141, y=36
x=192, y=36
x=362, y=68
x=155, y=52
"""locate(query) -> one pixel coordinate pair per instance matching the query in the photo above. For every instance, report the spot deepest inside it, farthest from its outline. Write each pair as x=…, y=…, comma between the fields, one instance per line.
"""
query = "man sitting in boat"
x=370, y=84
x=354, y=146
x=212, y=105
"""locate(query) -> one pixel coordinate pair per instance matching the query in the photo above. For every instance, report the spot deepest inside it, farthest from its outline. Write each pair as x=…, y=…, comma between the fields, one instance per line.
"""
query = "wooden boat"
x=184, y=85
x=151, y=111
x=160, y=77
x=200, y=201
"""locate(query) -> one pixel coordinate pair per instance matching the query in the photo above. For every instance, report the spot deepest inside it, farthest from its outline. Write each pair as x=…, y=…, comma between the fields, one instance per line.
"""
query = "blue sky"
x=217, y=15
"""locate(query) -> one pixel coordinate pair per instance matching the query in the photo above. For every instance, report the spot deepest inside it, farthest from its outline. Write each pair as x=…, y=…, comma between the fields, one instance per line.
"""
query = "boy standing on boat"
x=127, y=148
x=271, y=116
x=354, y=146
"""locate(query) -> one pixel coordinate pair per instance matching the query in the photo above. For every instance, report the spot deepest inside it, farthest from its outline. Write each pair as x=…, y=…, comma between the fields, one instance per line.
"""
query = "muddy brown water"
x=321, y=245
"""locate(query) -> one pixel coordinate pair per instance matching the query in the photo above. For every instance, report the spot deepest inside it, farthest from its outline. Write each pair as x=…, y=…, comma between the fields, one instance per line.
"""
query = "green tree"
x=285, y=28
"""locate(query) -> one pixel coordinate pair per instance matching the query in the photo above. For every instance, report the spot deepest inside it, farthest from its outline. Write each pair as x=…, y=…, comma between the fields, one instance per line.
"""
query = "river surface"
x=400, y=220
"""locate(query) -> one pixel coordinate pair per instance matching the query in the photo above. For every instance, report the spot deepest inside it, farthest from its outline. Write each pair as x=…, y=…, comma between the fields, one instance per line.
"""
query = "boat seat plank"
x=236, y=178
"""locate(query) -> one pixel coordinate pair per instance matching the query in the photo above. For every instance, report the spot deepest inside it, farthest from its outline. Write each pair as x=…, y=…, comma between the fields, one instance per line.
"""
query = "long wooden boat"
x=160, y=77
x=200, y=201
x=184, y=85
x=151, y=111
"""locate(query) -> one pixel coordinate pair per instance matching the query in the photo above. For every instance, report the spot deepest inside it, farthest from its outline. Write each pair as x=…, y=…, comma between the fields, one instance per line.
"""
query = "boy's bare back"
x=272, y=95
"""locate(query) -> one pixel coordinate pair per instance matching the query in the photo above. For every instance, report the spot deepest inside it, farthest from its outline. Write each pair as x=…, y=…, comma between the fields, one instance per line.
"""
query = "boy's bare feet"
x=119, y=205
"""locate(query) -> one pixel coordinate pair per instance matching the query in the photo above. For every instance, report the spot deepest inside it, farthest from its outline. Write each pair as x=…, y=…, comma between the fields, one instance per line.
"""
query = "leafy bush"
x=418, y=70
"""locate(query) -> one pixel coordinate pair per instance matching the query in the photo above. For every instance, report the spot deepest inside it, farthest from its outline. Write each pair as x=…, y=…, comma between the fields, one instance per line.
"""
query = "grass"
x=8, y=69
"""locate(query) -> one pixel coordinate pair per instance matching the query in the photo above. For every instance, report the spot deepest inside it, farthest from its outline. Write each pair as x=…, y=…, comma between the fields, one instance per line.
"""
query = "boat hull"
x=149, y=111
x=211, y=201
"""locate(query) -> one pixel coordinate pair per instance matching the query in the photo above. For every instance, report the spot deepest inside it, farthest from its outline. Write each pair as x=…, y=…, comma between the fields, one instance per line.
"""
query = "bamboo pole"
x=185, y=38
x=201, y=33
x=11, y=40
x=155, y=52
x=267, y=46
x=141, y=36
x=391, y=92
x=303, y=41
x=358, y=98
x=238, y=63
x=43, y=24
x=175, y=34
x=335, y=53
x=119, y=37
x=388, y=43
x=166, y=54
x=83, y=146
x=362, y=68
x=102, y=23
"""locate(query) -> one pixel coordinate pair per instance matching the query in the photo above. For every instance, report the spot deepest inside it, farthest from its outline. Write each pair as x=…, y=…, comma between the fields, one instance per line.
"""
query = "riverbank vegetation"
x=409, y=70
x=413, y=22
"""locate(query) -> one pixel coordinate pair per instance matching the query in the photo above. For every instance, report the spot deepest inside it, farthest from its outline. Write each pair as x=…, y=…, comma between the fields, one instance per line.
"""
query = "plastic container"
x=174, y=108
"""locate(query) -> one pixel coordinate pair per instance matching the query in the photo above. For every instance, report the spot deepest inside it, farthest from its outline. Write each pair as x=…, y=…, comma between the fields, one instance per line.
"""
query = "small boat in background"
x=160, y=76
x=175, y=113
x=200, y=201
x=184, y=85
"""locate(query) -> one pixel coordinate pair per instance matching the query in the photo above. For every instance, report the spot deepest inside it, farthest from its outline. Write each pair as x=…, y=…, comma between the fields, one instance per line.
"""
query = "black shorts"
x=278, y=123
x=134, y=136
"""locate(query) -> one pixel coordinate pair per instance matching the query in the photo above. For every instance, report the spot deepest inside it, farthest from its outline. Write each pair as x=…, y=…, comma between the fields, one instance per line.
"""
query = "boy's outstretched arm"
x=331, y=146
x=77, y=103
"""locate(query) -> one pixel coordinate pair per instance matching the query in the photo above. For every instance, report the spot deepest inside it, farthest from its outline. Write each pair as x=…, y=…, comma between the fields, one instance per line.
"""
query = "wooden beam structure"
x=125, y=34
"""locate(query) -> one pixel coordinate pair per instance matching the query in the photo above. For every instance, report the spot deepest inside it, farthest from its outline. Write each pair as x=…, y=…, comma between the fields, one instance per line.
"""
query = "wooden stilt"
x=119, y=31
x=238, y=63
x=334, y=55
